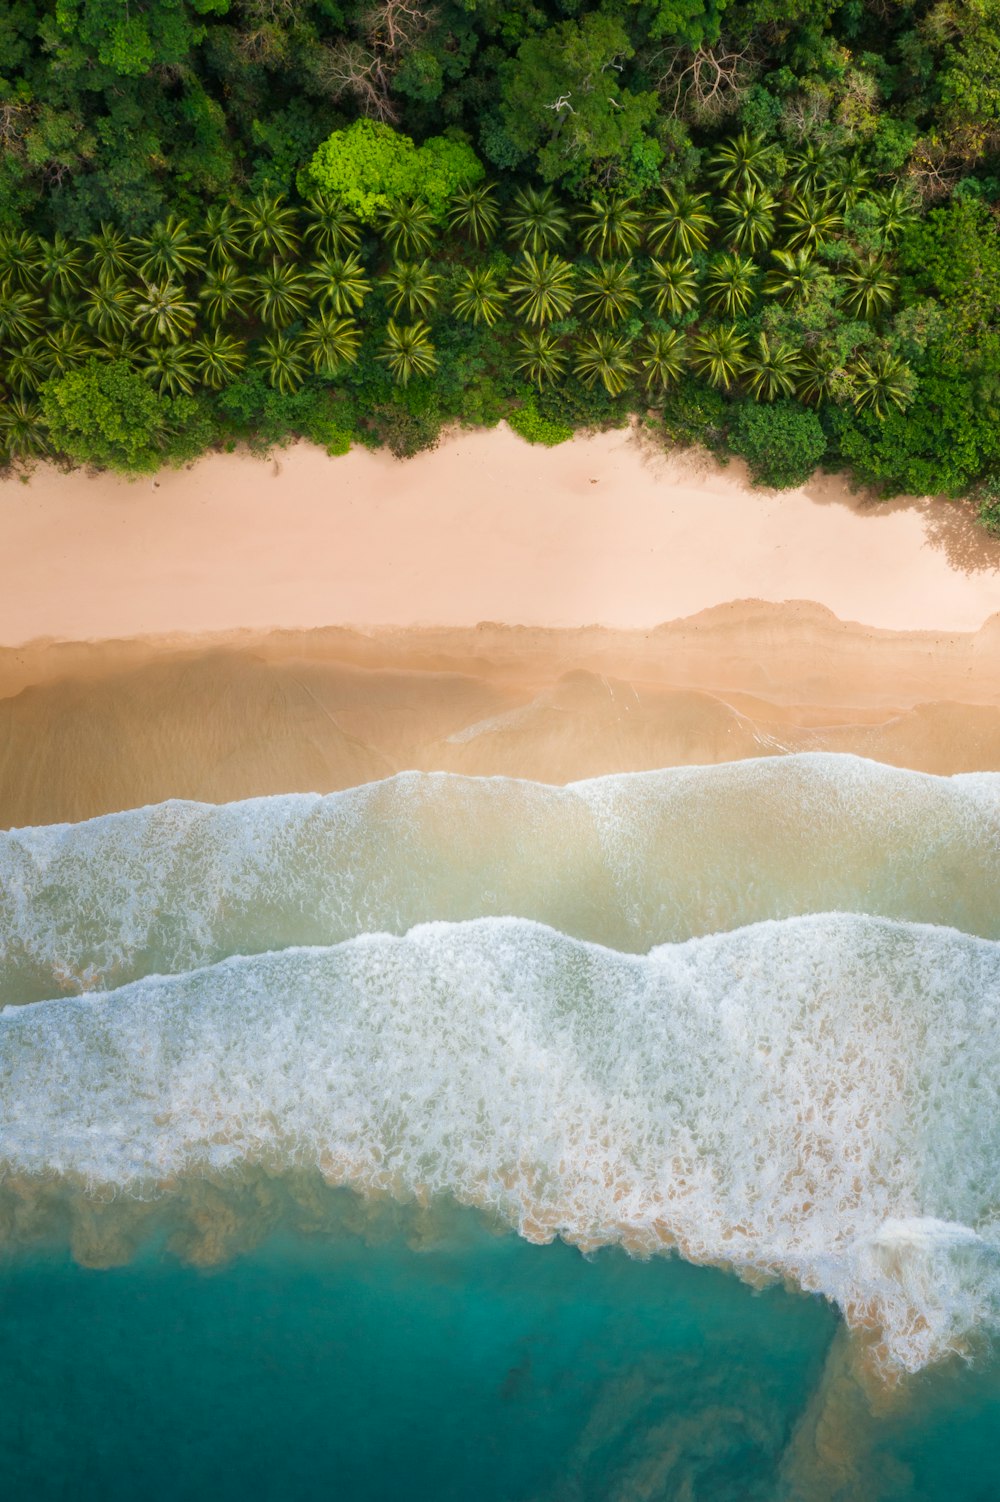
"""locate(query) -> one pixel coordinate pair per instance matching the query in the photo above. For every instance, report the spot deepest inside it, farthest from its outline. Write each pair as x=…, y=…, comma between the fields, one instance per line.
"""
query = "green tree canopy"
x=564, y=99
x=105, y=413
x=369, y=167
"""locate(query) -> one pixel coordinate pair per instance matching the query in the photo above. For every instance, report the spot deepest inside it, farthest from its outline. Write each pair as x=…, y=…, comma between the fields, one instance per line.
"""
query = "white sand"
x=604, y=529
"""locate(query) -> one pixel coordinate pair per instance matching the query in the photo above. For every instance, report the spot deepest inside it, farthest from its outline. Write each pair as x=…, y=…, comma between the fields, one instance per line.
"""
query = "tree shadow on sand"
x=950, y=527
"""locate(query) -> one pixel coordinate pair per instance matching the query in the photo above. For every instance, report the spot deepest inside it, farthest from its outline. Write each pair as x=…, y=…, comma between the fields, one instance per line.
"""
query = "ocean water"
x=456, y=1137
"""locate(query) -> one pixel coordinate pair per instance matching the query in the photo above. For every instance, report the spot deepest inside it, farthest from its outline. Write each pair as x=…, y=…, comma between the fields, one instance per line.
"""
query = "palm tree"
x=729, y=285
x=408, y=228
x=223, y=231
x=225, y=292
x=413, y=285
x=26, y=369
x=168, y=252
x=341, y=282
x=110, y=253
x=61, y=263
x=22, y=429
x=673, y=285
x=217, y=359
x=847, y=183
x=811, y=219
x=162, y=311
x=896, y=209
x=269, y=227
x=330, y=342
x=681, y=224
x=662, y=357
x=474, y=213
x=280, y=293
x=478, y=297
x=809, y=167
x=541, y=359
x=747, y=216
x=19, y=260
x=330, y=227
x=607, y=291
x=821, y=374
x=883, y=382
x=603, y=356
x=717, y=354
x=870, y=287
x=283, y=362
x=108, y=306
x=64, y=347
x=771, y=369
x=542, y=287
x=610, y=227
x=20, y=316
x=536, y=220
x=741, y=162
x=797, y=272
x=408, y=351
x=171, y=368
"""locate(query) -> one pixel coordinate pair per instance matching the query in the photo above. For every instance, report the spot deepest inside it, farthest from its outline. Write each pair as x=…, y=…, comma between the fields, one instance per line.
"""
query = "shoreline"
x=88, y=729
x=605, y=529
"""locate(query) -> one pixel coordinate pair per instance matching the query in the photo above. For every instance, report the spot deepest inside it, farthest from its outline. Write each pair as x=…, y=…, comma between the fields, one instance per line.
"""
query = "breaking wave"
x=628, y=861
x=814, y=1099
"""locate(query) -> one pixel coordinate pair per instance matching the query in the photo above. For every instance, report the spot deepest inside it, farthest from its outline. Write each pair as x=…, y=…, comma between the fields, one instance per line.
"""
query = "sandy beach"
x=304, y=623
x=604, y=530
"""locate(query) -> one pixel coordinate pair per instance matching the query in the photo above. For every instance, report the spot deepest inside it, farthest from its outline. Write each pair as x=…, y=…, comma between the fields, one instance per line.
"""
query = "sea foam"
x=628, y=861
x=814, y=1099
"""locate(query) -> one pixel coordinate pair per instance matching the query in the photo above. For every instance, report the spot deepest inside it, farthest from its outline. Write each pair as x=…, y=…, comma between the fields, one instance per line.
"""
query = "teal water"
x=327, y=1127
x=480, y=1367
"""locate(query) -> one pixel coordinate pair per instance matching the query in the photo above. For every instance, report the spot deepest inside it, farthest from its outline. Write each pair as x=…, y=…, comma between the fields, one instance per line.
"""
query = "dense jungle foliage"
x=765, y=225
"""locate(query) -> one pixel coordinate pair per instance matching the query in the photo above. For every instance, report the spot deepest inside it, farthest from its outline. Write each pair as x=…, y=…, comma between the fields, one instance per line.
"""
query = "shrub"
x=782, y=442
x=528, y=423
x=104, y=413
x=369, y=165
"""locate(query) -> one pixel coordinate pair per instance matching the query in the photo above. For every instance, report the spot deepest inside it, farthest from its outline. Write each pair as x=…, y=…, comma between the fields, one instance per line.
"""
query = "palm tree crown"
x=681, y=223
x=536, y=220
x=729, y=285
x=610, y=227
x=607, y=291
x=341, y=282
x=474, y=213
x=408, y=351
x=478, y=297
x=542, y=287
x=408, y=228
x=603, y=356
x=541, y=359
x=411, y=285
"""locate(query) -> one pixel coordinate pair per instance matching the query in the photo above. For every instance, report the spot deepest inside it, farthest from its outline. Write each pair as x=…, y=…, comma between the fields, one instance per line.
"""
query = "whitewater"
x=745, y=1013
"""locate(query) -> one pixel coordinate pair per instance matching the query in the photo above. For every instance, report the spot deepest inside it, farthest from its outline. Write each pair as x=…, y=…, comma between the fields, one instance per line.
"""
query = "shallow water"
x=746, y=1013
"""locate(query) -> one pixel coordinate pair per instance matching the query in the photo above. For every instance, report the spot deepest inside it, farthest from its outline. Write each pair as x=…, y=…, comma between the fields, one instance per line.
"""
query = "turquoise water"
x=327, y=1127
x=481, y=1367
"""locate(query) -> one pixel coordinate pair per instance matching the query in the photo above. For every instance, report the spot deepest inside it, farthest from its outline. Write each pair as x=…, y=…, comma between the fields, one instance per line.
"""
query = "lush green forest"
x=768, y=227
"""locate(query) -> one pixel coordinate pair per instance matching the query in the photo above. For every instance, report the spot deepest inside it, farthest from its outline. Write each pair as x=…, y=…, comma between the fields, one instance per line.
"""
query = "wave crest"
x=815, y=1099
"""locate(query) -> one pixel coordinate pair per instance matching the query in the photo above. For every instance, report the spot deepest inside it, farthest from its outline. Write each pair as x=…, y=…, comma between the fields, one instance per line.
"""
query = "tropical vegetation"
x=771, y=229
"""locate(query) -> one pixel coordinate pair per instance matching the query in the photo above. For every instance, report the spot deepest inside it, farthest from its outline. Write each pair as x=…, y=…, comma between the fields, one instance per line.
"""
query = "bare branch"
x=704, y=85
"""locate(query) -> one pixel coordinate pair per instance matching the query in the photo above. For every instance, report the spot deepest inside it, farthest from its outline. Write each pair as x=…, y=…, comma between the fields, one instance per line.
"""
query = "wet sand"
x=87, y=729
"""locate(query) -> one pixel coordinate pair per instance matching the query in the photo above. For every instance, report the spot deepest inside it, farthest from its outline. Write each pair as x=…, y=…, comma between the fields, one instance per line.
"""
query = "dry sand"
x=308, y=624
x=605, y=529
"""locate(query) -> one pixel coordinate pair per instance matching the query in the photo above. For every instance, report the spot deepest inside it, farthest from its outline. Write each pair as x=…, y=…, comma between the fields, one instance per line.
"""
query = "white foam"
x=629, y=861
x=816, y=1099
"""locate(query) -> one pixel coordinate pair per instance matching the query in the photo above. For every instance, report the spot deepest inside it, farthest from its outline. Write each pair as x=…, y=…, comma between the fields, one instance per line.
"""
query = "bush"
x=369, y=165
x=104, y=413
x=782, y=442
x=987, y=500
x=528, y=423
x=694, y=413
